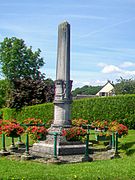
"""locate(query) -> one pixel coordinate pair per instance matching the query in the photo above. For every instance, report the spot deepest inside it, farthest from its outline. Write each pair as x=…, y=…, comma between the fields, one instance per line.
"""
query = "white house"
x=107, y=90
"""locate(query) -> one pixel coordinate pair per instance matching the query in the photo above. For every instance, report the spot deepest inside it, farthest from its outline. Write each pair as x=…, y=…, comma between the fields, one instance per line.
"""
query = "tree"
x=125, y=86
x=30, y=92
x=21, y=67
x=19, y=61
x=4, y=89
x=86, y=90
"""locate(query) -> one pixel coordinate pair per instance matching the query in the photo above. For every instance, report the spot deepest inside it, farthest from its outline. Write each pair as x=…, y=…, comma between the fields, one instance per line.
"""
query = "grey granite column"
x=63, y=83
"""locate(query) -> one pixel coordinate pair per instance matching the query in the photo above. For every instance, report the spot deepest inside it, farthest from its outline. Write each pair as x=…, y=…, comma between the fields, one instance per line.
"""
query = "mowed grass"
x=116, y=169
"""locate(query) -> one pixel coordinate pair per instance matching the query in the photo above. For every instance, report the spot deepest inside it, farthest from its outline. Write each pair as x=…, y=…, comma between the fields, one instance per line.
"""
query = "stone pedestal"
x=64, y=147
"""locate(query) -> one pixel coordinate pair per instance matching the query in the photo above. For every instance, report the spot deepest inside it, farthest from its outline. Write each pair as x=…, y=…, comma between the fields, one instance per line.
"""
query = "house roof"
x=107, y=87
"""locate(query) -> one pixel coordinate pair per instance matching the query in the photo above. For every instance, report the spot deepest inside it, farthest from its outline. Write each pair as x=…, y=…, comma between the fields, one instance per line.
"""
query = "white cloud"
x=129, y=73
x=102, y=64
x=127, y=64
x=111, y=69
x=119, y=70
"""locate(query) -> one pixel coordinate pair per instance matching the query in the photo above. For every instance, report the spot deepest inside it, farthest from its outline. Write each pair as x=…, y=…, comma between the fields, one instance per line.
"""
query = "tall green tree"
x=125, y=86
x=21, y=67
x=4, y=90
x=19, y=61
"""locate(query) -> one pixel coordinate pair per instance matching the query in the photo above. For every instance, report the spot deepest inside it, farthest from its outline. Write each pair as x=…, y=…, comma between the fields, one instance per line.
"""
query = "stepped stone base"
x=43, y=148
x=4, y=153
x=64, y=147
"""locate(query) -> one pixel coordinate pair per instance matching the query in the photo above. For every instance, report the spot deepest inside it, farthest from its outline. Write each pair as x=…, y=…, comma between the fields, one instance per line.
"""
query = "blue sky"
x=102, y=35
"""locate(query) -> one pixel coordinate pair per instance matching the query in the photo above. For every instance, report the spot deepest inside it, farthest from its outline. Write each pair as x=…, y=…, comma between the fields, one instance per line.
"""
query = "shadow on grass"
x=130, y=152
x=128, y=147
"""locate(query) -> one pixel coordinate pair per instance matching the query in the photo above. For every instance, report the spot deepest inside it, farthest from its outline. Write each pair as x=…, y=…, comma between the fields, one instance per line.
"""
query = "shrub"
x=42, y=111
x=35, y=128
x=74, y=133
x=106, y=128
x=79, y=122
x=120, y=128
x=37, y=133
x=120, y=108
x=12, y=128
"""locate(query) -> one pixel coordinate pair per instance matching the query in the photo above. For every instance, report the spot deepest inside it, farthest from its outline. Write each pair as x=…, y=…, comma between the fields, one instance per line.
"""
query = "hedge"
x=42, y=111
x=120, y=108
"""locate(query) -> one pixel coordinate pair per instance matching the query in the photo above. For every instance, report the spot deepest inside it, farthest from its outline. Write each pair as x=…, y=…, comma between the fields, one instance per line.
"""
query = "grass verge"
x=116, y=169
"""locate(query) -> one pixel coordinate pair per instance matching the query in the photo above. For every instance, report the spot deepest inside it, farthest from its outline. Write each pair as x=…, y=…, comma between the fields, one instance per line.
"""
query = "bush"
x=12, y=128
x=42, y=111
x=74, y=133
x=120, y=108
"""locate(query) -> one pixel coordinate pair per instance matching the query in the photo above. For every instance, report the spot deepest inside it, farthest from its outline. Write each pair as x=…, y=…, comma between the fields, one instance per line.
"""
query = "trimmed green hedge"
x=120, y=108
x=42, y=111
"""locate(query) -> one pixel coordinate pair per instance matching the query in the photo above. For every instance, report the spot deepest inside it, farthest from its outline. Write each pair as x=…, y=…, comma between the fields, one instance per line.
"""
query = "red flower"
x=120, y=128
x=12, y=128
x=37, y=132
x=74, y=133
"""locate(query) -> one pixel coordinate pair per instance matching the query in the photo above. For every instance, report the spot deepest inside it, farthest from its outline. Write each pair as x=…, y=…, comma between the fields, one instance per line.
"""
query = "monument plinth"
x=62, y=100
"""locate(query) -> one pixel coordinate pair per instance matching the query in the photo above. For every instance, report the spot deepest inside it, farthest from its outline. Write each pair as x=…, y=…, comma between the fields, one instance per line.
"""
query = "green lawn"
x=116, y=169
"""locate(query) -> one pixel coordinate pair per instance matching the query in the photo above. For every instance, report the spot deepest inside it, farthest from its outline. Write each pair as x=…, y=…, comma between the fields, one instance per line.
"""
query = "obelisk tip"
x=64, y=24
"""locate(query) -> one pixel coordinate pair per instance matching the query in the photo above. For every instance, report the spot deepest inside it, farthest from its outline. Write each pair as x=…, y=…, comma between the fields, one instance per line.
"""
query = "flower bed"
x=74, y=133
x=12, y=128
x=104, y=128
x=37, y=133
x=120, y=128
x=35, y=128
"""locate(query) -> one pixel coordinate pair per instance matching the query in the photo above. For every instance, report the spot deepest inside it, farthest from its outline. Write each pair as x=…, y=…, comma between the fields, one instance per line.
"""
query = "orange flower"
x=74, y=133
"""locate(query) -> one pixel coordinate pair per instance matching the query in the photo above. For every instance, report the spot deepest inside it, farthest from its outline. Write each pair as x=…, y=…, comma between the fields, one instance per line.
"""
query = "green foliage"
x=87, y=90
x=28, y=92
x=125, y=86
x=19, y=61
x=120, y=108
x=42, y=111
x=4, y=89
x=21, y=66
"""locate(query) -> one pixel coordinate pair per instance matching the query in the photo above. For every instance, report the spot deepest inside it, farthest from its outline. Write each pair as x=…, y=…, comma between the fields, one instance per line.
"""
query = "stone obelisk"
x=62, y=99
x=63, y=84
